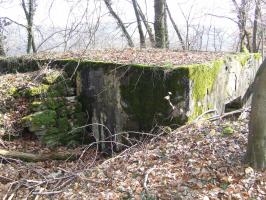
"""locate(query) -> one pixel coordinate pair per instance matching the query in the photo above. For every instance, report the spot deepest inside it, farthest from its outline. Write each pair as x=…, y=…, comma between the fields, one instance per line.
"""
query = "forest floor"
x=202, y=160
x=157, y=57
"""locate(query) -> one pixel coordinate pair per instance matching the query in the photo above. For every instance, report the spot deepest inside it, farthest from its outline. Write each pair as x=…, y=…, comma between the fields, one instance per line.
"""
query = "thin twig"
x=146, y=177
x=47, y=193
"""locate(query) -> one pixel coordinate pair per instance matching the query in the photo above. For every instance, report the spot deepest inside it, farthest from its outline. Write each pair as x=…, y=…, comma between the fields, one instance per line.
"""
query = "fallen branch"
x=202, y=115
x=29, y=157
x=146, y=177
x=47, y=193
x=228, y=114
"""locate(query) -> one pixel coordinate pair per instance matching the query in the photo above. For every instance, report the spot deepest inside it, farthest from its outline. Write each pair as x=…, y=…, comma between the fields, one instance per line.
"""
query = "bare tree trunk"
x=242, y=20
x=2, y=49
x=262, y=43
x=159, y=23
x=256, y=151
x=214, y=39
x=29, y=11
x=176, y=28
x=119, y=22
x=147, y=26
x=141, y=34
x=166, y=28
x=255, y=27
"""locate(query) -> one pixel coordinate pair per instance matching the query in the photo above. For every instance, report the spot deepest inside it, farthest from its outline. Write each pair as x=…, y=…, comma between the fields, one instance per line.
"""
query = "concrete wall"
x=137, y=98
x=121, y=100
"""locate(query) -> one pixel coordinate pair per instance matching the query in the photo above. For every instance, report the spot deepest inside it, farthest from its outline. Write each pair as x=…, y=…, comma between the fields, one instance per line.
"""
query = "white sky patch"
x=56, y=14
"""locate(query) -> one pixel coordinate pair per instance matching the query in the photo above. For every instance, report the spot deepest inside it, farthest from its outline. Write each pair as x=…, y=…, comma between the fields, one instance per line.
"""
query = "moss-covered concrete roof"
x=158, y=57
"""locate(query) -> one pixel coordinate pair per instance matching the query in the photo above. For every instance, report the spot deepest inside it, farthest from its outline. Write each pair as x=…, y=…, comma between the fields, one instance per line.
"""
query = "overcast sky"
x=61, y=13
x=57, y=11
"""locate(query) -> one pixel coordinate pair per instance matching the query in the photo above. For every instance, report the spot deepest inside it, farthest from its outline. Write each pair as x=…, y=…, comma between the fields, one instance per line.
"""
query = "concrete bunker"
x=117, y=100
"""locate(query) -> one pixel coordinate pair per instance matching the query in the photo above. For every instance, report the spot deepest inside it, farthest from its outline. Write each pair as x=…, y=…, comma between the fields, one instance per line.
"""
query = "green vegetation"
x=257, y=56
x=53, y=77
x=228, y=130
x=144, y=95
x=203, y=77
x=52, y=112
x=40, y=120
x=13, y=91
x=243, y=58
x=38, y=90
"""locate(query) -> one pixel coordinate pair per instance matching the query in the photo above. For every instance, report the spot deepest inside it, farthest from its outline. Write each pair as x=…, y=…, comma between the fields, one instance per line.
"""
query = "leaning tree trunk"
x=256, y=152
x=159, y=23
x=141, y=34
x=175, y=28
x=119, y=22
x=147, y=26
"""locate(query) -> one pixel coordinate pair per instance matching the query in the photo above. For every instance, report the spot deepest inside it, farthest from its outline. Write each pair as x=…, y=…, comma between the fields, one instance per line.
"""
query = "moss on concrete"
x=257, y=56
x=18, y=64
x=142, y=87
x=203, y=77
x=143, y=93
x=244, y=58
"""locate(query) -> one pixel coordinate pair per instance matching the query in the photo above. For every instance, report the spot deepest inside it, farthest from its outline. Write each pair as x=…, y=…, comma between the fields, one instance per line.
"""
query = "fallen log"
x=29, y=157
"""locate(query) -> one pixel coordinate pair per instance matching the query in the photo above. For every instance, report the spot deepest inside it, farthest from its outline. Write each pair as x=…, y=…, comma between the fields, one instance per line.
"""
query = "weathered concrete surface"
x=128, y=99
x=232, y=82
x=131, y=99
x=121, y=100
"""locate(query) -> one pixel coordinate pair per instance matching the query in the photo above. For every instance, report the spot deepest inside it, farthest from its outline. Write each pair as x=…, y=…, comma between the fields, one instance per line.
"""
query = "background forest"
x=63, y=25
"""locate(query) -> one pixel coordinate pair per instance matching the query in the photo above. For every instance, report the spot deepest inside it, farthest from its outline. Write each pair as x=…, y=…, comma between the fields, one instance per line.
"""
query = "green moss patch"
x=63, y=124
x=40, y=120
x=38, y=90
x=13, y=91
x=48, y=103
x=244, y=58
x=203, y=77
x=53, y=77
x=79, y=119
x=143, y=93
x=53, y=120
x=228, y=130
x=257, y=56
